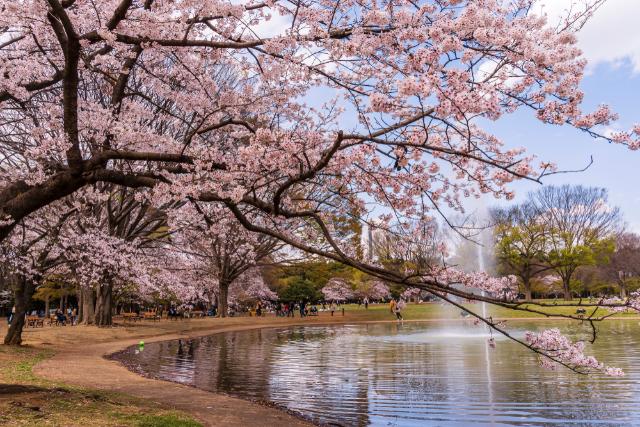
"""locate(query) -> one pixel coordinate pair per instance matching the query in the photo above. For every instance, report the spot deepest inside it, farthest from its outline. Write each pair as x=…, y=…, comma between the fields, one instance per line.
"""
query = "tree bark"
x=47, y=306
x=23, y=292
x=526, y=284
x=87, y=307
x=103, y=315
x=223, y=296
x=21, y=199
x=623, y=289
x=566, y=290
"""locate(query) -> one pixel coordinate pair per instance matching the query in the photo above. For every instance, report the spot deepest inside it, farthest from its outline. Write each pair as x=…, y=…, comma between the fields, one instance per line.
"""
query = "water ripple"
x=410, y=375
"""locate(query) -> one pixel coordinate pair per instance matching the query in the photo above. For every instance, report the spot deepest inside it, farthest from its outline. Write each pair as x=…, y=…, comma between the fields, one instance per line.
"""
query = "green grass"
x=171, y=420
x=33, y=401
x=427, y=311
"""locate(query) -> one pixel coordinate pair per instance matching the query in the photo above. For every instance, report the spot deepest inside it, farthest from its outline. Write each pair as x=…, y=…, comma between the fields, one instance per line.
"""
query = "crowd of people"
x=68, y=316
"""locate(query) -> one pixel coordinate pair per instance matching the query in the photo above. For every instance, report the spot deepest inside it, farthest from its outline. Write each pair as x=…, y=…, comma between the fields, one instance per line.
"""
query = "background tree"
x=107, y=237
x=520, y=243
x=581, y=228
x=624, y=262
x=28, y=257
x=224, y=249
x=304, y=279
x=337, y=289
x=54, y=287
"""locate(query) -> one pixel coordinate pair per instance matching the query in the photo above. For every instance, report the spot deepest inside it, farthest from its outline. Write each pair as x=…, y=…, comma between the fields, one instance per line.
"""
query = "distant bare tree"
x=582, y=226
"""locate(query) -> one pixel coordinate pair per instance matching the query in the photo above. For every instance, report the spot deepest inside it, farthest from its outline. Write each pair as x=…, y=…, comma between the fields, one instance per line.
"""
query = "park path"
x=86, y=366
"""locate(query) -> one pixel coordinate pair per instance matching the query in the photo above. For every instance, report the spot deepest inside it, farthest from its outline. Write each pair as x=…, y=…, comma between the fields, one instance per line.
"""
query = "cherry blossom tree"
x=250, y=286
x=337, y=289
x=191, y=100
x=31, y=253
x=105, y=245
x=225, y=251
x=374, y=290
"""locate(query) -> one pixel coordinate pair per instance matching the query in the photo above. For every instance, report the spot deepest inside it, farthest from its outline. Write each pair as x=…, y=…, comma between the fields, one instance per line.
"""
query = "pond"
x=414, y=374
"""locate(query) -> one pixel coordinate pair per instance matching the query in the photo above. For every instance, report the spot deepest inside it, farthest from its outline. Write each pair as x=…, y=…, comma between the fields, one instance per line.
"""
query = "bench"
x=34, y=322
x=131, y=316
x=150, y=315
x=53, y=321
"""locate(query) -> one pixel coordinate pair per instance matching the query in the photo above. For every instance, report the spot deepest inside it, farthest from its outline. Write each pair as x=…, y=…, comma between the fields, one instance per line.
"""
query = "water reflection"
x=405, y=375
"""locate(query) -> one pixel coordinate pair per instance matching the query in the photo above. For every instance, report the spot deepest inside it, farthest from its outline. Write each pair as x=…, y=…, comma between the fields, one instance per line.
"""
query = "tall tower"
x=369, y=242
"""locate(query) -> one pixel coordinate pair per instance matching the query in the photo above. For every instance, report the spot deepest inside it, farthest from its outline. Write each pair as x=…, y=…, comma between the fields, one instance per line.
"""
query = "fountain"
x=482, y=268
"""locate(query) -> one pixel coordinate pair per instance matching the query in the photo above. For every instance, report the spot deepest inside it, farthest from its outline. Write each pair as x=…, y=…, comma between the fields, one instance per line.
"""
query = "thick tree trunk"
x=623, y=289
x=47, y=305
x=566, y=290
x=87, y=306
x=223, y=296
x=103, y=315
x=23, y=292
x=21, y=199
x=212, y=301
x=526, y=284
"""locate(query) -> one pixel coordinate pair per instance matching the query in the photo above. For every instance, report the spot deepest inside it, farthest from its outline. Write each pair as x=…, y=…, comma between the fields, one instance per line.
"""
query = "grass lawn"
x=26, y=400
x=444, y=311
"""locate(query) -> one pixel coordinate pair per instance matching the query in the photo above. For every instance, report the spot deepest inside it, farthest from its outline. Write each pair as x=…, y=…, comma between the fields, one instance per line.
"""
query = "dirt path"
x=86, y=366
x=80, y=352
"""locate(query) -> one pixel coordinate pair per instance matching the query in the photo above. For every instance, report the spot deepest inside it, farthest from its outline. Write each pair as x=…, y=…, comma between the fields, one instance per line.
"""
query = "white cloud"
x=276, y=26
x=611, y=36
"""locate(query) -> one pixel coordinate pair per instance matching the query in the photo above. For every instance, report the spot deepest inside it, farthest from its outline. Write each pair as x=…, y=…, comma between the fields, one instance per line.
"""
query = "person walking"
x=303, y=305
x=11, y=314
x=392, y=306
x=398, y=309
x=366, y=303
x=333, y=308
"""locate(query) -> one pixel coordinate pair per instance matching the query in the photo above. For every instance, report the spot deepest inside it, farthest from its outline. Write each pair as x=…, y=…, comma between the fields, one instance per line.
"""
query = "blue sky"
x=615, y=167
x=611, y=43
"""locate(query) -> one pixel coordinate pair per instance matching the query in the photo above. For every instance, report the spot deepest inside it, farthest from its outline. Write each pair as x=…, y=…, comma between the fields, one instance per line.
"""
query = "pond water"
x=414, y=374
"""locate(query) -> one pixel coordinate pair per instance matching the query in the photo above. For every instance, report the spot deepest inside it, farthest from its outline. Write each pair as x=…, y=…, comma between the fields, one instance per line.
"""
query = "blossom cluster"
x=557, y=348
